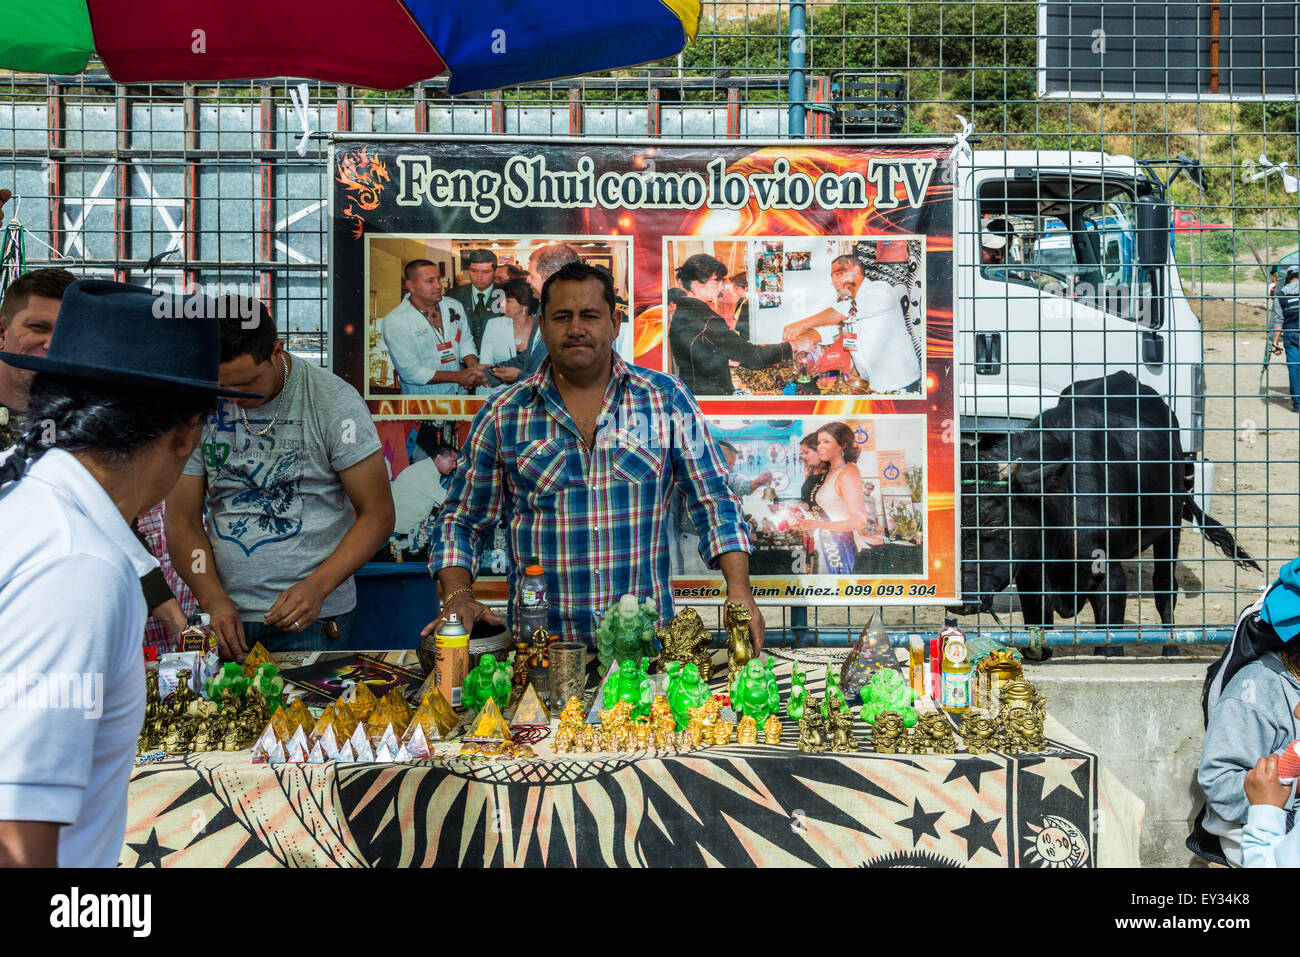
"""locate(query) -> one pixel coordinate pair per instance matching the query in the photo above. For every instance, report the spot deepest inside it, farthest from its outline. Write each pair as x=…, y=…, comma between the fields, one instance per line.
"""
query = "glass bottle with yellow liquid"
x=955, y=674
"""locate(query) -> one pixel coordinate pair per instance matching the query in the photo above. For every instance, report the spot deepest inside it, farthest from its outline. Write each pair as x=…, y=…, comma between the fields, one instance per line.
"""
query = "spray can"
x=451, y=659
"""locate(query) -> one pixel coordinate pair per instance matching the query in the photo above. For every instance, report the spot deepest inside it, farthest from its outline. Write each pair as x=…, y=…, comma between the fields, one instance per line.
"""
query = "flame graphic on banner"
x=363, y=175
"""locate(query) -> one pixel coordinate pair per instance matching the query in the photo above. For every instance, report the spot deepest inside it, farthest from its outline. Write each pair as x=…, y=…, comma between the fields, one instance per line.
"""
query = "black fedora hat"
x=124, y=334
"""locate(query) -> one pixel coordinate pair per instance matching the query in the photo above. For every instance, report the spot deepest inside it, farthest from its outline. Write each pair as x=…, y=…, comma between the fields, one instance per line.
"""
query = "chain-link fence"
x=182, y=184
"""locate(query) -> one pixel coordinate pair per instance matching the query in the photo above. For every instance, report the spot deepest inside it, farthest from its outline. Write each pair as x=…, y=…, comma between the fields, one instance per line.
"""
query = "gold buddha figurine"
x=747, y=731
x=722, y=732
x=772, y=730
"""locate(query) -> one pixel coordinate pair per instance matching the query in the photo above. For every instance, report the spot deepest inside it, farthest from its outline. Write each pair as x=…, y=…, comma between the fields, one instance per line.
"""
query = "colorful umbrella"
x=381, y=44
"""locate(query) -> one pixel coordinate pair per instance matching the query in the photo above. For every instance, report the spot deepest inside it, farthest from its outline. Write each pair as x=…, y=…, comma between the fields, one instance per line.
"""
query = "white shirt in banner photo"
x=877, y=337
x=420, y=349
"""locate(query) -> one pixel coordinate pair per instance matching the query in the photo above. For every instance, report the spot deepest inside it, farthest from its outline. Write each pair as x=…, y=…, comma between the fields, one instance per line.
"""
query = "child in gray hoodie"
x=1252, y=704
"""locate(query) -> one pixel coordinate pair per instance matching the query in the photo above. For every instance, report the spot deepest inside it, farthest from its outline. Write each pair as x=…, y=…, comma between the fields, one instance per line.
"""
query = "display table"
x=733, y=806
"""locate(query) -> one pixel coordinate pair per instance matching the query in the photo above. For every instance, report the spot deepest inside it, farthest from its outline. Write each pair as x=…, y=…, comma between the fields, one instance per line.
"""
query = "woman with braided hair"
x=114, y=412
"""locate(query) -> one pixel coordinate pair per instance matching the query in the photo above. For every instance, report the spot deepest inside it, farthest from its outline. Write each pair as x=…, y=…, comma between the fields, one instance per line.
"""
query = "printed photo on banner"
x=835, y=316
x=458, y=315
x=421, y=457
x=842, y=497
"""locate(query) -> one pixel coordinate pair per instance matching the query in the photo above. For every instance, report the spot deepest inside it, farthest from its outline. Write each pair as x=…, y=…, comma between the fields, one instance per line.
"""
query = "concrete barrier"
x=1143, y=717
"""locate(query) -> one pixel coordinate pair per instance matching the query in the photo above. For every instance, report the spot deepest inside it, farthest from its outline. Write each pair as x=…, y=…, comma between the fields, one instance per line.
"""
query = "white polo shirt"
x=72, y=618
x=419, y=352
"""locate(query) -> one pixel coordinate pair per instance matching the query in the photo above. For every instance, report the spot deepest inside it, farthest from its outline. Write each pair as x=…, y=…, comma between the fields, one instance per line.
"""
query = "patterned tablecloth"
x=733, y=806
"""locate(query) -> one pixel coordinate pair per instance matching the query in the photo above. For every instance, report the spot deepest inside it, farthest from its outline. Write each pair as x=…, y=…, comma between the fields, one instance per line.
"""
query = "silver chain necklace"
x=284, y=362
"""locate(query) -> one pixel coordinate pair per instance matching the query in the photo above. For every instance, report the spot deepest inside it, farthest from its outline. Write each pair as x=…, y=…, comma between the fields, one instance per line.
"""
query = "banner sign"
x=803, y=292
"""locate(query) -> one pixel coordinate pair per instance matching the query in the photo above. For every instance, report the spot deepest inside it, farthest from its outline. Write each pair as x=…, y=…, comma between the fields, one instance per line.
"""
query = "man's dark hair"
x=48, y=283
x=480, y=256
x=849, y=261
x=581, y=272
x=514, y=272
x=550, y=259
x=114, y=421
x=242, y=336
x=741, y=280
x=442, y=448
x=416, y=264
x=700, y=268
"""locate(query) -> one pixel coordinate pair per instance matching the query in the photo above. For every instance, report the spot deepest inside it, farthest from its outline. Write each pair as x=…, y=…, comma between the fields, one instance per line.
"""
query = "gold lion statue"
x=979, y=733
x=888, y=732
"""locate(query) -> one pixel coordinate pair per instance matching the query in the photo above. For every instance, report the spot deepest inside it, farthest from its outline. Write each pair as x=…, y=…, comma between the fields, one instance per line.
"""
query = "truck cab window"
x=1084, y=249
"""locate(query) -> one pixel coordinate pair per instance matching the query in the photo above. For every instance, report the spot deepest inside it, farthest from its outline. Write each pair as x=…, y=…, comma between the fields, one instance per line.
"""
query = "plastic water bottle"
x=533, y=607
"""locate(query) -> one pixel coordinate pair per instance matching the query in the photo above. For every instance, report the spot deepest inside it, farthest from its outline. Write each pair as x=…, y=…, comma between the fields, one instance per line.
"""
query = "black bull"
x=1096, y=480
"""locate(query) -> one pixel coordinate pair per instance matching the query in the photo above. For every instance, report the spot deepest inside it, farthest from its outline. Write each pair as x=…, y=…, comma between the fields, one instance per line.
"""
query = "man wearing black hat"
x=114, y=412
x=1286, y=325
x=27, y=317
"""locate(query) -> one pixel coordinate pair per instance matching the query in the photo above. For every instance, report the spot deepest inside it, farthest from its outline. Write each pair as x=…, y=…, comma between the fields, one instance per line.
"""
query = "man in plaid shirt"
x=579, y=462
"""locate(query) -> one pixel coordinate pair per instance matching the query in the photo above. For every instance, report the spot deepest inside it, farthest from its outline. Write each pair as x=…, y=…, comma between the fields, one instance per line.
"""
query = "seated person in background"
x=420, y=488
x=1252, y=704
x=296, y=495
x=993, y=249
x=514, y=335
x=429, y=338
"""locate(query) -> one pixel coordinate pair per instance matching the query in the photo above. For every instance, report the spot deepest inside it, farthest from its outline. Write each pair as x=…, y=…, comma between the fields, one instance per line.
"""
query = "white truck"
x=1028, y=327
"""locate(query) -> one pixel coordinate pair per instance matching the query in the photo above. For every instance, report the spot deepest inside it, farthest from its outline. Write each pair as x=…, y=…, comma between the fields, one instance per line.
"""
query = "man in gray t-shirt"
x=277, y=481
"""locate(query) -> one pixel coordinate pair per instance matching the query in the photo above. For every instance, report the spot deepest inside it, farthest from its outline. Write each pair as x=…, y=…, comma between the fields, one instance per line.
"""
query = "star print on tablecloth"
x=920, y=822
x=1055, y=772
x=150, y=852
x=977, y=834
x=971, y=769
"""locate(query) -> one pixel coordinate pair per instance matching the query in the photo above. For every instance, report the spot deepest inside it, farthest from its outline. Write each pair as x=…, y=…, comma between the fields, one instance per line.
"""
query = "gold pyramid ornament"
x=299, y=716
x=362, y=700
x=435, y=716
x=379, y=719
x=489, y=725
x=257, y=656
x=325, y=721
x=282, y=724
x=345, y=720
x=530, y=710
x=401, y=710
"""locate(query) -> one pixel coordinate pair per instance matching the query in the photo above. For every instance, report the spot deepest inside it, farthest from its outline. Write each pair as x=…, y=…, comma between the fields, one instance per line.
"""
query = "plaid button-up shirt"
x=597, y=519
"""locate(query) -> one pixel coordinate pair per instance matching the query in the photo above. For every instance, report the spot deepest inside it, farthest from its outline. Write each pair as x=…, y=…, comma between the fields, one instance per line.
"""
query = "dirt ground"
x=1254, y=441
